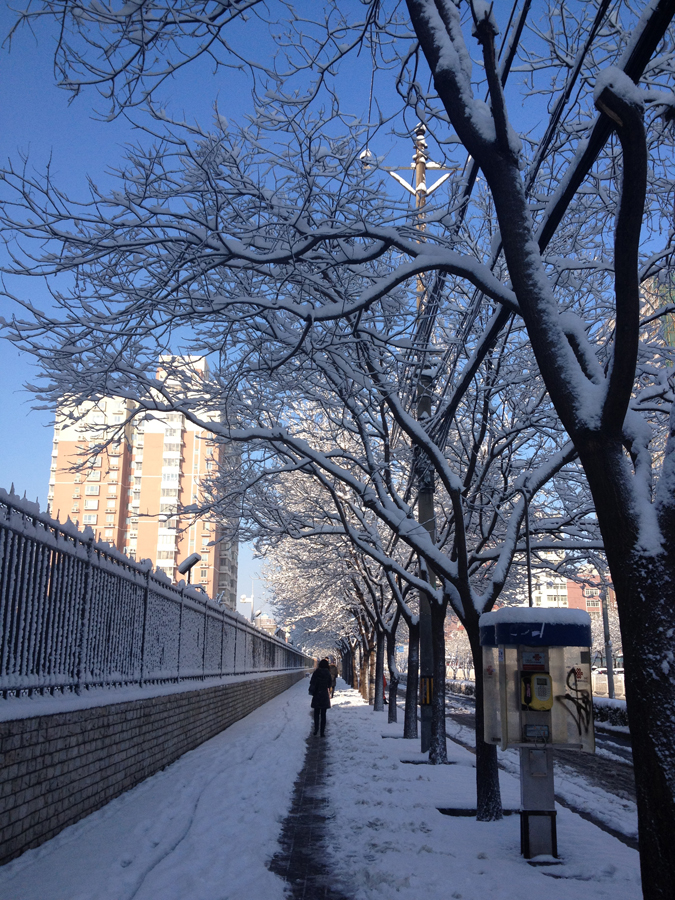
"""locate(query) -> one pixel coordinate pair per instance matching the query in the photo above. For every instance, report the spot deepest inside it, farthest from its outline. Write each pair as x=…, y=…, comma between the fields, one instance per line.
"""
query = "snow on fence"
x=76, y=614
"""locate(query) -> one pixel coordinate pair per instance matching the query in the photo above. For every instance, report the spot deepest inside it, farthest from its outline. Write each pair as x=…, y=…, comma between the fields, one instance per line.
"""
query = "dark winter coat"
x=321, y=681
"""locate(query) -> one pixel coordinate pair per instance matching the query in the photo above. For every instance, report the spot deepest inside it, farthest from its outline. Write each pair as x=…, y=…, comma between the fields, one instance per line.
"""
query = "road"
x=610, y=768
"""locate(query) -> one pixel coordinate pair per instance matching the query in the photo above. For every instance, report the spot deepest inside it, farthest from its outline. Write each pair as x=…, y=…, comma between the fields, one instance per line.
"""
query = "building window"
x=76, y=494
x=166, y=540
x=94, y=476
x=592, y=604
x=591, y=592
x=89, y=519
x=110, y=520
x=166, y=554
x=203, y=573
x=95, y=462
x=78, y=478
x=92, y=489
x=112, y=490
x=109, y=532
x=75, y=509
x=170, y=478
x=91, y=504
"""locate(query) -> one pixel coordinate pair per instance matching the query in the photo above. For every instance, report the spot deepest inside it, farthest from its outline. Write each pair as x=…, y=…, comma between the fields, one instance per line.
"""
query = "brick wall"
x=56, y=769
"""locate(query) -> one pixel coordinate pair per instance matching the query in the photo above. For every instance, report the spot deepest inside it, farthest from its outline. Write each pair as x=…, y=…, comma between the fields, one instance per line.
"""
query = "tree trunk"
x=378, y=705
x=372, y=663
x=488, y=794
x=393, y=673
x=643, y=582
x=650, y=699
x=438, y=750
x=412, y=682
x=360, y=668
x=365, y=662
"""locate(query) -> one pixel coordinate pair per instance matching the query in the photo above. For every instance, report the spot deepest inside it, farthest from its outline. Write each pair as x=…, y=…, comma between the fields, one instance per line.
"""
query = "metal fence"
x=76, y=614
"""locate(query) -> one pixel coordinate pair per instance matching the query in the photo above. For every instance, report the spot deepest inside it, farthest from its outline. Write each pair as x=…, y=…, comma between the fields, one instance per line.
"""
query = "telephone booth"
x=537, y=696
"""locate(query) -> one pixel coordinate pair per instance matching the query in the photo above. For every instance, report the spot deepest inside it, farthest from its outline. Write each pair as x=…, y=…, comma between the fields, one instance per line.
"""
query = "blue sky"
x=36, y=118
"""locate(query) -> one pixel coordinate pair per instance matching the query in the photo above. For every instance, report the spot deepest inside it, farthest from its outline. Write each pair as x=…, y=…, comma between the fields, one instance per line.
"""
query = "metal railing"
x=76, y=614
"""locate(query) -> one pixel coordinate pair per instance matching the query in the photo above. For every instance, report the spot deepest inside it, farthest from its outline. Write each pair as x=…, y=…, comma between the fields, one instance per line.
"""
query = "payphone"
x=537, y=696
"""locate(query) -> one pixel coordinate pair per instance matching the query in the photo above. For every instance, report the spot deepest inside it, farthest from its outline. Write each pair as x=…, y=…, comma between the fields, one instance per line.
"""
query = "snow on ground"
x=616, y=812
x=202, y=829
x=206, y=827
x=389, y=839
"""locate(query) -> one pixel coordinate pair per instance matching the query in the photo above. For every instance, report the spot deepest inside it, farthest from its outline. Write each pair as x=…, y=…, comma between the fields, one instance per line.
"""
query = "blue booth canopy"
x=535, y=627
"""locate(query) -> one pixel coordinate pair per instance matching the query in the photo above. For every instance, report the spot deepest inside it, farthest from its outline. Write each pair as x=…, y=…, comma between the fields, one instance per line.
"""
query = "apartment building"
x=130, y=494
x=549, y=589
x=95, y=493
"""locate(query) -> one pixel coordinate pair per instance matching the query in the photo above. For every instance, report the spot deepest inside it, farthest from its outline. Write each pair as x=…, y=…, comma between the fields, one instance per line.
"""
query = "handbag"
x=312, y=689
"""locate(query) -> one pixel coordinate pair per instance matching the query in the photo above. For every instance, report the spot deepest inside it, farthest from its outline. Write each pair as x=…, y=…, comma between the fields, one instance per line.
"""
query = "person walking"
x=333, y=674
x=319, y=687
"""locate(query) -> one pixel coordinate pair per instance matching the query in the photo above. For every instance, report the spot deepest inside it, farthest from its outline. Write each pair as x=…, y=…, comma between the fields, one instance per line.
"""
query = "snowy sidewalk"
x=208, y=826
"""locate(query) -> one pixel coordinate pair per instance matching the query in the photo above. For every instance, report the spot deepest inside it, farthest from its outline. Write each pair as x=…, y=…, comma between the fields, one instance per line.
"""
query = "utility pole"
x=528, y=549
x=608, y=642
x=425, y=476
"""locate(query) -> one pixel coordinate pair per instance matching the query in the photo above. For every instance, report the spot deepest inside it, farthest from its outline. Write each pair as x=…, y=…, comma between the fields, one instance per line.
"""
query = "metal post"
x=538, y=835
x=427, y=518
x=222, y=638
x=608, y=642
x=425, y=501
x=206, y=627
x=528, y=549
x=234, y=660
x=83, y=642
x=180, y=631
x=146, y=600
x=425, y=497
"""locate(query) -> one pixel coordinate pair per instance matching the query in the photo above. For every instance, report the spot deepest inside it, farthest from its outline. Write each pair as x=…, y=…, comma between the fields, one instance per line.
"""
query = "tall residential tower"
x=129, y=495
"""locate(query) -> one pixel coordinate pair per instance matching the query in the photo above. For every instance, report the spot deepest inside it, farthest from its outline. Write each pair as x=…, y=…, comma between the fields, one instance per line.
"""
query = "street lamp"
x=188, y=564
x=528, y=549
x=608, y=642
x=425, y=500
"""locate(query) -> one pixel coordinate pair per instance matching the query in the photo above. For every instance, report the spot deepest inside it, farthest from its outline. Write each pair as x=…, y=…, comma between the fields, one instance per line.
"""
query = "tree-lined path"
x=434, y=397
